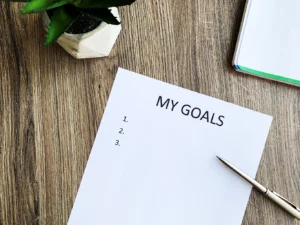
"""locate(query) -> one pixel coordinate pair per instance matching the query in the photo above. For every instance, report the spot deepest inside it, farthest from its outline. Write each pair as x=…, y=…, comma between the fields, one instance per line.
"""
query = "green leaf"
x=102, y=3
x=62, y=18
x=104, y=15
x=42, y=5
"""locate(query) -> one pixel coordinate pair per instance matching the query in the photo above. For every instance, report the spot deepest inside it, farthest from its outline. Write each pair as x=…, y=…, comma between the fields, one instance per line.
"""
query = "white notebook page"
x=270, y=41
x=154, y=158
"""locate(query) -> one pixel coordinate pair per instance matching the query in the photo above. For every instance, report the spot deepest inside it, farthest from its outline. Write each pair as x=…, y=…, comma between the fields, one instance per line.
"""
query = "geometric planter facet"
x=96, y=43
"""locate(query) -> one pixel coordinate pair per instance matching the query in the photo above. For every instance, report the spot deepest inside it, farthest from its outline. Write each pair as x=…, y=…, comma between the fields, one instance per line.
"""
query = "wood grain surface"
x=51, y=104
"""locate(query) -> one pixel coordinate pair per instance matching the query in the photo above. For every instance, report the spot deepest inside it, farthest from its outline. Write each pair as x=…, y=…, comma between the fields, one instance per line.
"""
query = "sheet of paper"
x=154, y=158
x=269, y=41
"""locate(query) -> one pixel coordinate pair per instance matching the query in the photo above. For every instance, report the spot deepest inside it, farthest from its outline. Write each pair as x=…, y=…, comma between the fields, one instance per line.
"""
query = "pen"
x=281, y=201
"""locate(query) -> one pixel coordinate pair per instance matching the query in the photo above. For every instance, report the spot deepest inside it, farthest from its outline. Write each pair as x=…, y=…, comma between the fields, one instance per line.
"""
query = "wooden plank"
x=51, y=104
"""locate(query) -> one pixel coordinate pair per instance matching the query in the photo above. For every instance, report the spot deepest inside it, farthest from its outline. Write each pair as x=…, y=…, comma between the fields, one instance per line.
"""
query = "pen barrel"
x=283, y=204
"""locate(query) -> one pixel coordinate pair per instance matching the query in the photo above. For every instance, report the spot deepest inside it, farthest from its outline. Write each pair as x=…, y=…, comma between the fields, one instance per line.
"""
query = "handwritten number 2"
x=121, y=131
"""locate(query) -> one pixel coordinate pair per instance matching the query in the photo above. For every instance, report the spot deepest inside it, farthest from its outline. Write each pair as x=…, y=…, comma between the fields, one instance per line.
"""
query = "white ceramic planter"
x=96, y=43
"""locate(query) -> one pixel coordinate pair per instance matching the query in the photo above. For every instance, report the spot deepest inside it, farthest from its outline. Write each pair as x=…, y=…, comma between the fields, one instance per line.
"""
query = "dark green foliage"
x=65, y=12
x=102, y=3
x=62, y=18
x=35, y=6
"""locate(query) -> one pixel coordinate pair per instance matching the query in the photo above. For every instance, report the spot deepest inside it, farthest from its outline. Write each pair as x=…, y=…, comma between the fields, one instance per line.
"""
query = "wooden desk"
x=51, y=104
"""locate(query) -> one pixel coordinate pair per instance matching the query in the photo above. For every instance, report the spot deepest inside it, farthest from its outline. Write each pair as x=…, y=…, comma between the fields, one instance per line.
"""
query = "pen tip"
x=222, y=160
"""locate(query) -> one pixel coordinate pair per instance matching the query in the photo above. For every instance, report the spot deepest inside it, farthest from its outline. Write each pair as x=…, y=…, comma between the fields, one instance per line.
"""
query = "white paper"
x=269, y=39
x=164, y=169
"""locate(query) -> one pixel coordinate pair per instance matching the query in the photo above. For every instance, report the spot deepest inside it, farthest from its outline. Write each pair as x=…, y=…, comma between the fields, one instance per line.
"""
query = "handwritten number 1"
x=125, y=119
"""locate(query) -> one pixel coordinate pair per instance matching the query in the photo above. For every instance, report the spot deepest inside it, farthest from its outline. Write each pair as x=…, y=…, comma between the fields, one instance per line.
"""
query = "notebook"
x=268, y=44
x=154, y=158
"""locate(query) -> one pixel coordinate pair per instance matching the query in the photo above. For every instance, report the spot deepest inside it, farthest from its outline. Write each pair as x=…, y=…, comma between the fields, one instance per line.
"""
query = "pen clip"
x=287, y=201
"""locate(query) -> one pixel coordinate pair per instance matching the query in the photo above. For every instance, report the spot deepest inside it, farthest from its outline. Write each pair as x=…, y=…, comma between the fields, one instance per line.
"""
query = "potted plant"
x=84, y=28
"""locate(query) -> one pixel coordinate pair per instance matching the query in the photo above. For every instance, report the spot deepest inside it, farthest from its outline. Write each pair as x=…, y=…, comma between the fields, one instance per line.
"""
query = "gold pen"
x=281, y=201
